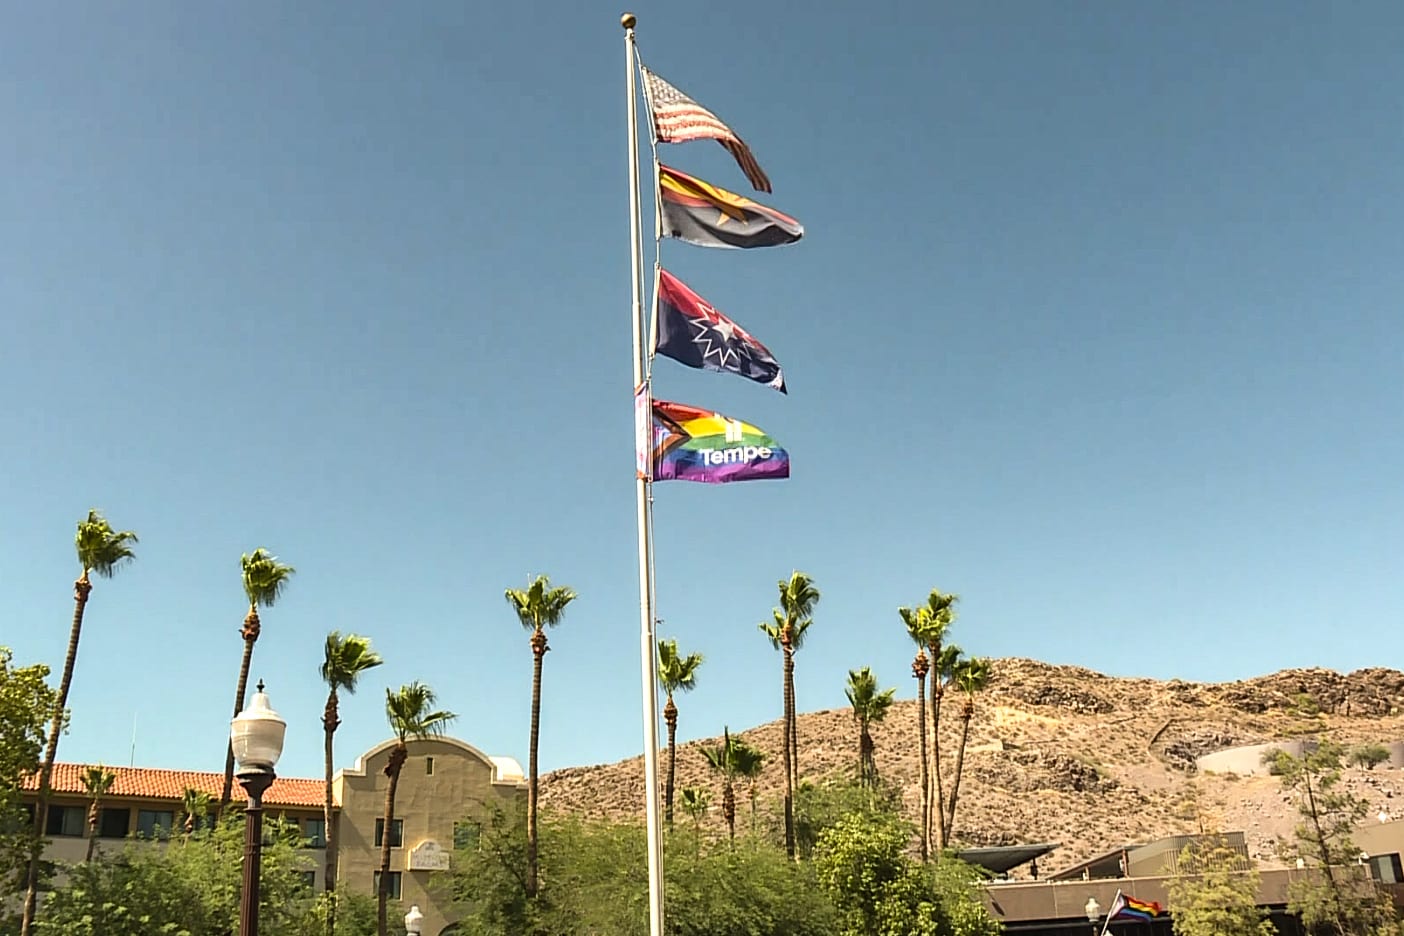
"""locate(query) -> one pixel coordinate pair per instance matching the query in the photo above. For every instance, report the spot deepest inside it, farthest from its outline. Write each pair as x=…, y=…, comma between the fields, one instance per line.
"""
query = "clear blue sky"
x=1096, y=323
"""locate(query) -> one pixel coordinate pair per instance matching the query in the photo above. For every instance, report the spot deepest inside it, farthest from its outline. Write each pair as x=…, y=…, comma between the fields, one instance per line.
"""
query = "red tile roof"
x=151, y=783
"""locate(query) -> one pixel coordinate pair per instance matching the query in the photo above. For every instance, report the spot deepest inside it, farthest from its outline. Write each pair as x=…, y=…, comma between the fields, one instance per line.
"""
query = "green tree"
x=722, y=759
x=264, y=579
x=344, y=659
x=869, y=706
x=676, y=673
x=786, y=630
x=1335, y=900
x=820, y=806
x=538, y=607
x=97, y=781
x=1214, y=892
x=195, y=805
x=749, y=762
x=103, y=550
x=879, y=891
x=972, y=677
x=27, y=702
x=411, y=714
x=194, y=890
x=695, y=802
x=1368, y=756
x=917, y=625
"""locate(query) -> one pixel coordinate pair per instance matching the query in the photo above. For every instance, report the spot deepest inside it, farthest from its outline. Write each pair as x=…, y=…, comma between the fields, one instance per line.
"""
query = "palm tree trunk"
x=966, y=714
x=919, y=669
x=729, y=806
x=92, y=831
x=382, y=893
x=788, y=690
x=867, y=765
x=250, y=630
x=538, y=653
x=936, y=801
x=670, y=718
x=793, y=736
x=331, y=720
x=81, y=588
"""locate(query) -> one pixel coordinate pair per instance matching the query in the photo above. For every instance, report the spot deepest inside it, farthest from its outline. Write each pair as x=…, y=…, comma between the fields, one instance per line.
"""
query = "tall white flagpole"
x=643, y=493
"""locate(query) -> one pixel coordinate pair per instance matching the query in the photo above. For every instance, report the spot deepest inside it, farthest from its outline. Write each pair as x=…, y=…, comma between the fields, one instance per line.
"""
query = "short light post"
x=414, y=921
x=256, y=735
x=1094, y=913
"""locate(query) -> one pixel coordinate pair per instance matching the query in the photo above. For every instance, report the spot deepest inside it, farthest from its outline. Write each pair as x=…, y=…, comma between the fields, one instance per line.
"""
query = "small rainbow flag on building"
x=1126, y=907
x=693, y=444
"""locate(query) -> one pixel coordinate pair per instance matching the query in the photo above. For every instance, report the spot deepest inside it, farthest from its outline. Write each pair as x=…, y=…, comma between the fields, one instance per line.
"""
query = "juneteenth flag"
x=702, y=214
x=677, y=118
x=692, y=332
x=1126, y=907
x=692, y=444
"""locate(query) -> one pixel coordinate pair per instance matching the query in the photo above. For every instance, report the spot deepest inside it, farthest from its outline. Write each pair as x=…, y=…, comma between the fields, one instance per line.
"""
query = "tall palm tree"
x=343, y=662
x=917, y=624
x=749, y=762
x=195, y=804
x=938, y=614
x=944, y=667
x=972, y=677
x=97, y=781
x=869, y=706
x=411, y=714
x=103, y=550
x=676, y=673
x=265, y=579
x=722, y=759
x=538, y=607
x=786, y=630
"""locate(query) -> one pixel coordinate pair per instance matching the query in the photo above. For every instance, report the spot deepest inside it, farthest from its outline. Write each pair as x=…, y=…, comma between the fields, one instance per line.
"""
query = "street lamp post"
x=1094, y=914
x=256, y=735
x=414, y=921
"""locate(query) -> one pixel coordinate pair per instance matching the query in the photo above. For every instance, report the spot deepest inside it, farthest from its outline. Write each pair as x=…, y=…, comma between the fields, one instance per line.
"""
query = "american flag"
x=677, y=118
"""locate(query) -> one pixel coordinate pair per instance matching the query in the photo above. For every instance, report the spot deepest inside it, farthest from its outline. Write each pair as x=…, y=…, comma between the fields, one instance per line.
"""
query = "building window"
x=154, y=823
x=466, y=834
x=1386, y=869
x=66, y=820
x=308, y=878
x=397, y=833
x=394, y=884
x=314, y=833
x=429, y=766
x=114, y=823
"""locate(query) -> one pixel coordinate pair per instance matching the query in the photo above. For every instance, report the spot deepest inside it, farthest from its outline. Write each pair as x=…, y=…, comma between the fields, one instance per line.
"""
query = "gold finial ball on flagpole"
x=628, y=20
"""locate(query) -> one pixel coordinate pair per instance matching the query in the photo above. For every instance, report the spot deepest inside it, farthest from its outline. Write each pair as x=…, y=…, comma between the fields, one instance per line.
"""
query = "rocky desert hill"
x=1063, y=754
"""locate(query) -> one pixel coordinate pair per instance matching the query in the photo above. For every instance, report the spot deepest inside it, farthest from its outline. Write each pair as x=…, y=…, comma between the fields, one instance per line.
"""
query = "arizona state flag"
x=702, y=214
x=692, y=332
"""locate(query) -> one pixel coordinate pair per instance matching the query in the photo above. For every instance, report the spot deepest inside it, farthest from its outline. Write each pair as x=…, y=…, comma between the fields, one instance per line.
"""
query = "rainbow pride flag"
x=1126, y=907
x=693, y=444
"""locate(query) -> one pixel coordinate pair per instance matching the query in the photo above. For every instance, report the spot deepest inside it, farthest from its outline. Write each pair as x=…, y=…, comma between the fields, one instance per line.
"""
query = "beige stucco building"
x=444, y=781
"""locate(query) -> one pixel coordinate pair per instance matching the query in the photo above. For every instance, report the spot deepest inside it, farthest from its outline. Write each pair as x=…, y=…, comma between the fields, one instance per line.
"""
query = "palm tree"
x=695, y=801
x=411, y=714
x=869, y=706
x=972, y=677
x=917, y=624
x=722, y=759
x=538, y=607
x=97, y=781
x=798, y=596
x=749, y=762
x=195, y=804
x=345, y=659
x=676, y=673
x=265, y=579
x=103, y=550
x=936, y=617
x=944, y=666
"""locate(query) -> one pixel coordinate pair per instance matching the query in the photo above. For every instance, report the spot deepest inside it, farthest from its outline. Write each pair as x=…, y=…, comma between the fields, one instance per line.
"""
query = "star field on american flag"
x=677, y=118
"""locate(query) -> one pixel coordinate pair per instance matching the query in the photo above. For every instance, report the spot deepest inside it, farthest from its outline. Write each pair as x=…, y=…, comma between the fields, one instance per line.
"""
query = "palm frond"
x=973, y=675
x=677, y=673
x=102, y=549
x=798, y=596
x=773, y=630
x=869, y=704
x=540, y=605
x=410, y=713
x=265, y=578
x=97, y=780
x=346, y=658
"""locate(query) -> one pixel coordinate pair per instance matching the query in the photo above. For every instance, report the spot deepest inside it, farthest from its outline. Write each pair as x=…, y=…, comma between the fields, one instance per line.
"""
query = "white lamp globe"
x=256, y=734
